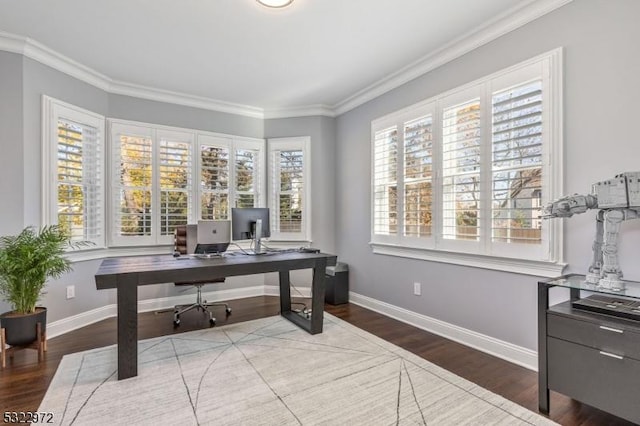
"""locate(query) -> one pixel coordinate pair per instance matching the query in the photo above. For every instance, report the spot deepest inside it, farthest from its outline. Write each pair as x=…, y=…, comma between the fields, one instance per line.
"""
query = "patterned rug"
x=270, y=372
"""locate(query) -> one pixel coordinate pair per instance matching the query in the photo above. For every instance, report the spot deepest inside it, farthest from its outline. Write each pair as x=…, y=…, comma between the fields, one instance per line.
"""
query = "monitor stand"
x=258, y=236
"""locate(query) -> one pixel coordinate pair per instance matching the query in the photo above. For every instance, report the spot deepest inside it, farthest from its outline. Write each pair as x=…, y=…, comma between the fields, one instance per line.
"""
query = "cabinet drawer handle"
x=615, y=330
x=611, y=355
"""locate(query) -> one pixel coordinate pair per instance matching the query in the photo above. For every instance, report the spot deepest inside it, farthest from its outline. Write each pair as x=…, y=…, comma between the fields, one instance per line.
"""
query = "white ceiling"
x=316, y=52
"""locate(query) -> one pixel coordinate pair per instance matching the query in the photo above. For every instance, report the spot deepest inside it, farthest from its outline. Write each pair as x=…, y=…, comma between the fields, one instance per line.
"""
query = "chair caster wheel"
x=212, y=322
x=228, y=311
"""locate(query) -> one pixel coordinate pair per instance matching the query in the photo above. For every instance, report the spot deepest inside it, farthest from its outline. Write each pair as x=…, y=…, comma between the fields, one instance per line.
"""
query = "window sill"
x=505, y=264
x=103, y=253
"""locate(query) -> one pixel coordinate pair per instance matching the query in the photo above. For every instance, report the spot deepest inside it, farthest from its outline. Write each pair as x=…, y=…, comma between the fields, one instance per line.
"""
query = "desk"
x=127, y=273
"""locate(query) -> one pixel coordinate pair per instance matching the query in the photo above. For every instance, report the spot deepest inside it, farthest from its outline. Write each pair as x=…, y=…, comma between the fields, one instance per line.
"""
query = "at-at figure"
x=618, y=199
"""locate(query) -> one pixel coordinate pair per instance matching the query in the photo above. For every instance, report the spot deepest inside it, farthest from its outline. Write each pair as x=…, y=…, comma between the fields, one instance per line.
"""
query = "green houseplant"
x=27, y=260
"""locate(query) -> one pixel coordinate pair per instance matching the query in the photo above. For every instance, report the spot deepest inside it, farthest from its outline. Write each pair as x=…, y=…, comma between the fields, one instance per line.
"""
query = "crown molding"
x=305, y=111
x=49, y=57
x=12, y=43
x=502, y=24
x=499, y=26
x=161, y=95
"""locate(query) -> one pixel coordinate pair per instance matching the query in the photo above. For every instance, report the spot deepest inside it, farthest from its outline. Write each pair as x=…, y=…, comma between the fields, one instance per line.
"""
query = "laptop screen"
x=213, y=234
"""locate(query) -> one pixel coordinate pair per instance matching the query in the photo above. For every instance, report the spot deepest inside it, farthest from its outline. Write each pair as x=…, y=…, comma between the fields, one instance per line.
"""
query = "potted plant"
x=27, y=260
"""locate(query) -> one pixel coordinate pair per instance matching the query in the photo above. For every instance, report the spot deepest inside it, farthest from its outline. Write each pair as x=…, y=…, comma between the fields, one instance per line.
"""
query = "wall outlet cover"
x=417, y=289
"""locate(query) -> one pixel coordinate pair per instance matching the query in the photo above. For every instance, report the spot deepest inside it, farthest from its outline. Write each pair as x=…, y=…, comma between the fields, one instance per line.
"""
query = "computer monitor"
x=250, y=224
x=213, y=236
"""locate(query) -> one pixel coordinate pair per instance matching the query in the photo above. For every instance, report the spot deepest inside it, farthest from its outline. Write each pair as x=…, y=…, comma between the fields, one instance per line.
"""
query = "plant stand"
x=40, y=344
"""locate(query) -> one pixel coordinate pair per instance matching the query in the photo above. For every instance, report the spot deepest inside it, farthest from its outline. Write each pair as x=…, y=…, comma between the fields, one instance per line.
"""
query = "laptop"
x=212, y=236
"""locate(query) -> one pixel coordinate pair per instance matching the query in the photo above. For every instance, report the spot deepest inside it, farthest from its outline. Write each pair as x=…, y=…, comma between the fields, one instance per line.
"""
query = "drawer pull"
x=611, y=355
x=615, y=330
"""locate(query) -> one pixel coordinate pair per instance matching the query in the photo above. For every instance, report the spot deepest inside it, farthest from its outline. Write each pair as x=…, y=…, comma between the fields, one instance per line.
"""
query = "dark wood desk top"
x=145, y=270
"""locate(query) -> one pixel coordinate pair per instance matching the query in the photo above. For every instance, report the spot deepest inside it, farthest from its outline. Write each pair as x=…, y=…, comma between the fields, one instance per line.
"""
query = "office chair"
x=182, y=237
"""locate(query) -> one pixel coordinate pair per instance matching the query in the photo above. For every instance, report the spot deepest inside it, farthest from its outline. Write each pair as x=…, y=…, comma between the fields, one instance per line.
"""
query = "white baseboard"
x=65, y=325
x=499, y=348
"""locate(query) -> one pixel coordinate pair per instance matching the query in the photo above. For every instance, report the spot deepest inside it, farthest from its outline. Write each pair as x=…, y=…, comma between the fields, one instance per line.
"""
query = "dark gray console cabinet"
x=588, y=356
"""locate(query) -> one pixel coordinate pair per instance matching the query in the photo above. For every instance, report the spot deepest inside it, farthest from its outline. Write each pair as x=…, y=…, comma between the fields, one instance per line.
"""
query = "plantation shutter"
x=418, y=169
x=247, y=177
x=214, y=178
x=517, y=164
x=133, y=178
x=175, y=182
x=461, y=171
x=385, y=171
x=289, y=187
x=289, y=183
x=79, y=183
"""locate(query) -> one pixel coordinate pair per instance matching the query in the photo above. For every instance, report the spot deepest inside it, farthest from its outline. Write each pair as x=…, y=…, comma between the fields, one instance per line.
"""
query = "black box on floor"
x=337, y=284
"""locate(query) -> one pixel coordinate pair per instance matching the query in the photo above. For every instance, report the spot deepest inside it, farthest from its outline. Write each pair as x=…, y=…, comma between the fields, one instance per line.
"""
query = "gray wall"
x=11, y=149
x=601, y=105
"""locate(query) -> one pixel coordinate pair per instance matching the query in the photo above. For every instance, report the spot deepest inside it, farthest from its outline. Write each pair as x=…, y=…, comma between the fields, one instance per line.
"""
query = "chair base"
x=201, y=305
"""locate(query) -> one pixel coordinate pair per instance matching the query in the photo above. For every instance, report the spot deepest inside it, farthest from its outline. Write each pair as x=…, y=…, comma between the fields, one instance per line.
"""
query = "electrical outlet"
x=417, y=289
x=71, y=291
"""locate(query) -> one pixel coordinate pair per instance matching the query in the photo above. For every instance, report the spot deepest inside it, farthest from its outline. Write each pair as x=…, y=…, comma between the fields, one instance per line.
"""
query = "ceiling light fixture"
x=275, y=3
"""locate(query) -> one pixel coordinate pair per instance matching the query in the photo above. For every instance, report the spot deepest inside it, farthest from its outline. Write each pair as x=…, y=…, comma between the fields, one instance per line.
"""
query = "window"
x=470, y=170
x=289, y=203
x=151, y=183
x=418, y=177
x=230, y=175
x=175, y=162
x=73, y=171
x=385, y=179
x=163, y=177
x=214, y=177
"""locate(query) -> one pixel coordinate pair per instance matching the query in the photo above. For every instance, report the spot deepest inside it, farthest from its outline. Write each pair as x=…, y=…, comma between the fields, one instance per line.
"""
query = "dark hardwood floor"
x=24, y=382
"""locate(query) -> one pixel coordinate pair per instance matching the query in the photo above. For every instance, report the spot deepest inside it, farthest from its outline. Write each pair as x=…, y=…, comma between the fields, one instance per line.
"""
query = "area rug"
x=270, y=372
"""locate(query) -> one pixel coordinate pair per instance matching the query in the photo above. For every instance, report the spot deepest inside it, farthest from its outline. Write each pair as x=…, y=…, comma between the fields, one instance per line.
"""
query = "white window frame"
x=155, y=133
x=261, y=186
x=52, y=111
x=543, y=260
x=232, y=143
x=302, y=143
x=195, y=138
x=180, y=136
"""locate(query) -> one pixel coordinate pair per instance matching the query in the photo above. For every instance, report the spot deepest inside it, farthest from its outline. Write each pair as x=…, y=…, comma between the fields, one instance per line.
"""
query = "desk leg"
x=285, y=293
x=127, y=329
x=313, y=326
x=317, y=296
x=543, y=383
